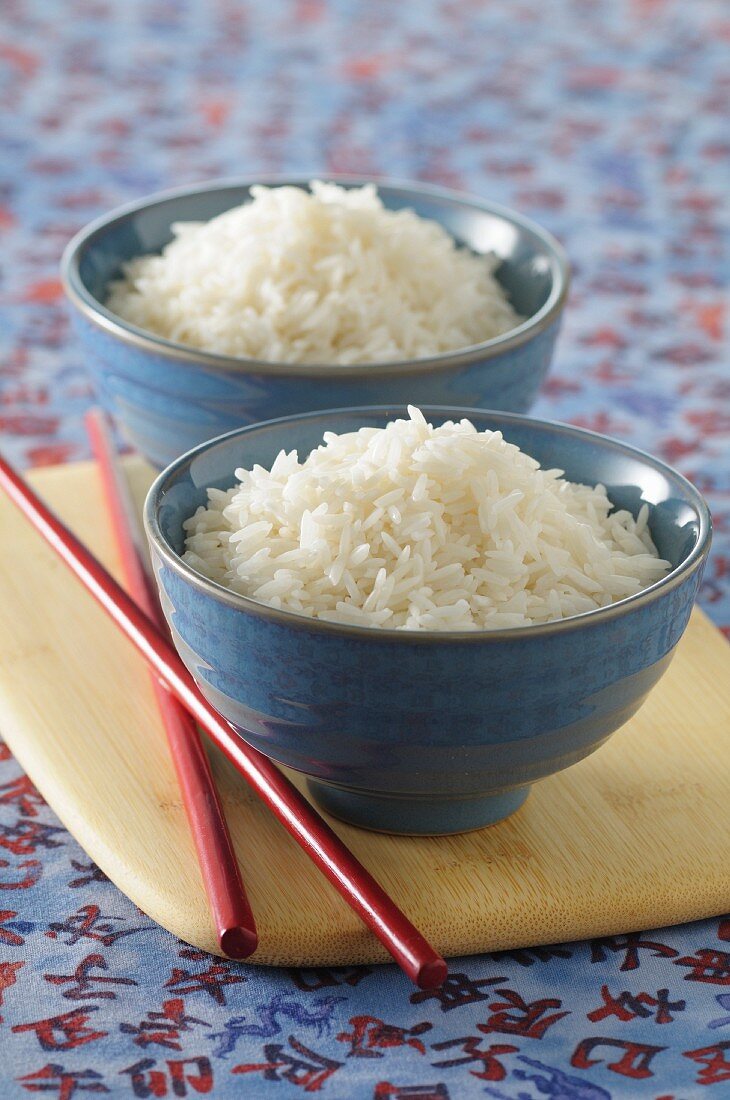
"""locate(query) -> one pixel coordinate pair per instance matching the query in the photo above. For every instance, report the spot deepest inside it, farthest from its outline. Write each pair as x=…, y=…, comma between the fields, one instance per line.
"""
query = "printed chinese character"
x=320, y=977
x=22, y=793
x=89, y=873
x=384, y=1090
x=8, y=935
x=630, y=945
x=210, y=981
x=8, y=977
x=457, y=990
x=24, y=837
x=148, y=1081
x=64, y=1083
x=707, y=966
x=514, y=1016
x=305, y=1068
x=492, y=1069
x=163, y=1028
x=89, y=923
x=194, y=953
x=370, y=1036
x=634, y=1062
x=64, y=1032
x=32, y=869
x=85, y=980
x=627, y=1006
x=716, y=1065
x=523, y=957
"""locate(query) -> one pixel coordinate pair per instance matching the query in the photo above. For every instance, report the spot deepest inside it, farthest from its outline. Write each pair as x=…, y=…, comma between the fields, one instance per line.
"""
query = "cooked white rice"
x=421, y=528
x=327, y=277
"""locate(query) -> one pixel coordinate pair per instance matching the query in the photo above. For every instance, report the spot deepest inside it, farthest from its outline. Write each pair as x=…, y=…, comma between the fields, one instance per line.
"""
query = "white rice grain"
x=329, y=276
x=451, y=529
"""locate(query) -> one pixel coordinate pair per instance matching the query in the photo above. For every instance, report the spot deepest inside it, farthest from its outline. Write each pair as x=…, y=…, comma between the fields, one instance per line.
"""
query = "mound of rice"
x=421, y=528
x=327, y=277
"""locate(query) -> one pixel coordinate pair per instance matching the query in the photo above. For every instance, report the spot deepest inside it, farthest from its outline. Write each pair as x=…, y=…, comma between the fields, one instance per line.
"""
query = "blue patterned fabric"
x=608, y=124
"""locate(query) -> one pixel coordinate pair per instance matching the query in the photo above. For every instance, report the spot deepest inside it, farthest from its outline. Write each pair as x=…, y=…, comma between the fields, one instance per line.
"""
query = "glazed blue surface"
x=421, y=732
x=168, y=402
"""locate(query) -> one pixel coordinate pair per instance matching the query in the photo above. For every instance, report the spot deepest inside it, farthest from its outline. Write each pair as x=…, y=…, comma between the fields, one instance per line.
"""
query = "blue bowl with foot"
x=427, y=732
x=168, y=397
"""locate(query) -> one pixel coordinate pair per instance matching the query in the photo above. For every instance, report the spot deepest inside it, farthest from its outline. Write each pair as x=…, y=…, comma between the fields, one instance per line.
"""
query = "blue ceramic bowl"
x=169, y=398
x=420, y=732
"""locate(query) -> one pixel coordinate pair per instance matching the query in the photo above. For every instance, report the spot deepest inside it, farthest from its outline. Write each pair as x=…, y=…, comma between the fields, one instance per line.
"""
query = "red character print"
x=634, y=1062
x=85, y=980
x=384, y=1090
x=148, y=1081
x=210, y=981
x=32, y=869
x=625, y=1006
x=492, y=1069
x=8, y=977
x=163, y=1028
x=64, y=1032
x=7, y=935
x=630, y=945
x=707, y=966
x=304, y=1068
x=89, y=923
x=370, y=1036
x=716, y=1065
x=20, y=792
x=514, y=1016
x=64, y=1083
x=457, y=990
x=24, y=837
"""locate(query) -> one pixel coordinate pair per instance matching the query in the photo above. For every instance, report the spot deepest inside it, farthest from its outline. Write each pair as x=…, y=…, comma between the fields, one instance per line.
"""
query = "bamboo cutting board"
x=635, y=836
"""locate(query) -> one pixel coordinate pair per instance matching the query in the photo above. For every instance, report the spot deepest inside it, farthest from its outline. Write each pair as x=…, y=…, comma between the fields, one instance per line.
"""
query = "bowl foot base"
x=416, y=816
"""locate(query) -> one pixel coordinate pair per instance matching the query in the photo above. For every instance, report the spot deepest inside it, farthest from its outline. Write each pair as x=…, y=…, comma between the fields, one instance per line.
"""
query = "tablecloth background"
x=607, y=122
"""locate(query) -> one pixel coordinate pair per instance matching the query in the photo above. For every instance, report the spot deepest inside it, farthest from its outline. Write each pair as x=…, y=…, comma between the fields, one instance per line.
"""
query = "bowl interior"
x=528, y=269
x=631, y=478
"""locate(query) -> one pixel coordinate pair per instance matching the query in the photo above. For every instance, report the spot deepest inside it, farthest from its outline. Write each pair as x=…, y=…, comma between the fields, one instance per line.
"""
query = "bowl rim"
x=96, y=312
x=248, y=604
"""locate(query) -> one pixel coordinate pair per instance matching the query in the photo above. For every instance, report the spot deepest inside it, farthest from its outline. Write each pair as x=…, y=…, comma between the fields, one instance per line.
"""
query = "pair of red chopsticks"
x=182, y=705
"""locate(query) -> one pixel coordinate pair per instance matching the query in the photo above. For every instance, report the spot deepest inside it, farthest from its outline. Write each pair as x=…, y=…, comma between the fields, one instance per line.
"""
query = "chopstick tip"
x=432, y=974
x=238, y=942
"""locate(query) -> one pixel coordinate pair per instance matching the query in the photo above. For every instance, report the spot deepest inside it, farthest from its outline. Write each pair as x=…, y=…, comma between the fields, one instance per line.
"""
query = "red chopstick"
x=405, y=943
x=234, y=921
